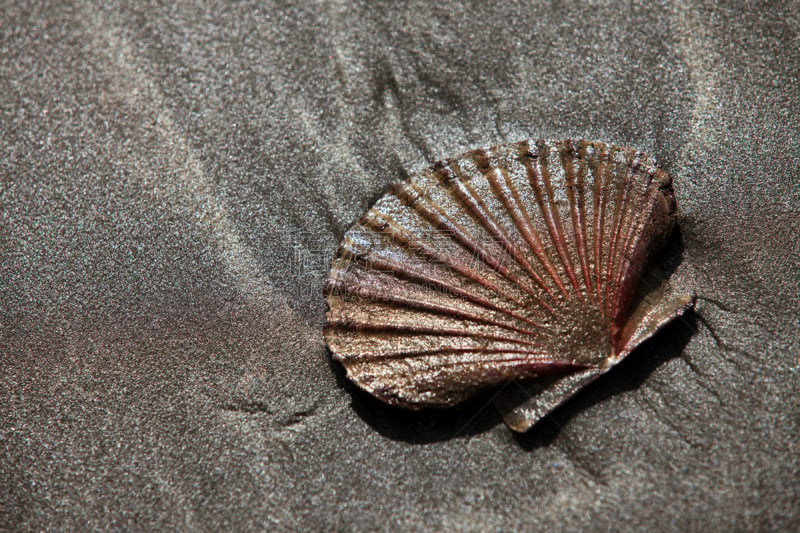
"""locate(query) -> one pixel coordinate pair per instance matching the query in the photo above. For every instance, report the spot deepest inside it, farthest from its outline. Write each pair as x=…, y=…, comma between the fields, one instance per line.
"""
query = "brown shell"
x=518, y=262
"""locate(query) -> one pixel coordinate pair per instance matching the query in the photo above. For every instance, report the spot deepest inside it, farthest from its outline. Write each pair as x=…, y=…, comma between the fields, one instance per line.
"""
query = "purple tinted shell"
x=518, y=262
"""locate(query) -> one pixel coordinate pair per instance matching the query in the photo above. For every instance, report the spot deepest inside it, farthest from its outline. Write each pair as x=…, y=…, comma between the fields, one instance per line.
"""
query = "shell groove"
x=517, y=262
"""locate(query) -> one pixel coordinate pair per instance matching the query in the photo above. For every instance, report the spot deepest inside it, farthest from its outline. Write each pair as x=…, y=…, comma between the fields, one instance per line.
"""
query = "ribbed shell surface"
x=520, y=261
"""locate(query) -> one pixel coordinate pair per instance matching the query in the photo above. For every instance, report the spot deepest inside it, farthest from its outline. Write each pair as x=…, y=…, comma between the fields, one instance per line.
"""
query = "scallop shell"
x=517, y=263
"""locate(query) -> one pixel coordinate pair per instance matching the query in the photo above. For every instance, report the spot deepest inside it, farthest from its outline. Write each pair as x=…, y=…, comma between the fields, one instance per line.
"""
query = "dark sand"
x=174, y=182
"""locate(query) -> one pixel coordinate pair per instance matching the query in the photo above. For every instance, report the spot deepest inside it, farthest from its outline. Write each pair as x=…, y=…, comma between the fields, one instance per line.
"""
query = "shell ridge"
x=613, y=207
x=446, y=223
x=373, y=294
x=443, y=222
x=364, y=348
x=402, y=270
x=620, y=215
x=632, y=241
x=531, y=233
x=336, y=325
x=583, y=232
x=542, y=203
x=599, y=219
x=489, y=175
x=635, y=257
x=545, y=365
x=406, y=238
x=508, y=195
x=380, y=317
x=454, y=351
x=574, y=189
x=553, y=217
x=482, y=215
x=635, y=205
